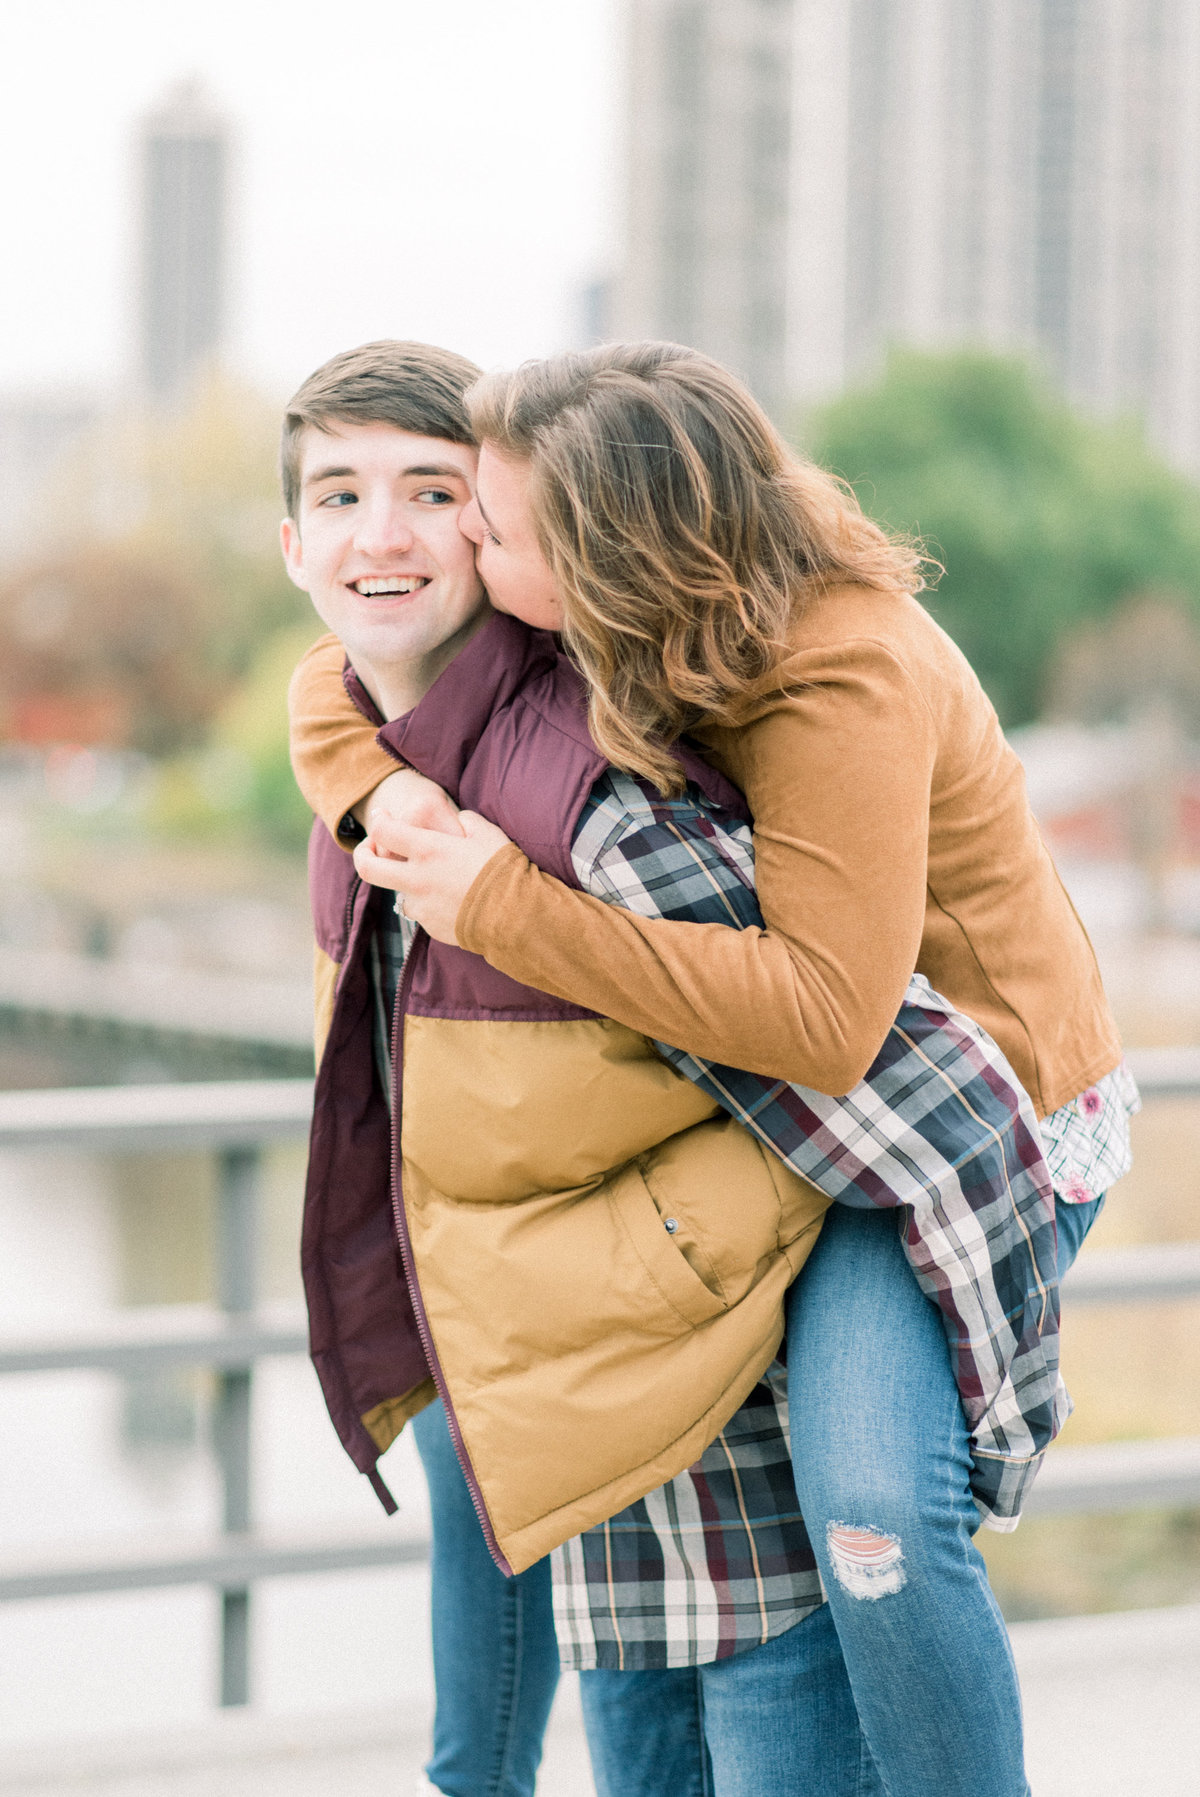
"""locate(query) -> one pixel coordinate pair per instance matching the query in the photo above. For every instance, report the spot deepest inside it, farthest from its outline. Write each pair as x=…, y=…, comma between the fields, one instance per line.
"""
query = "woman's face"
x=499, y=521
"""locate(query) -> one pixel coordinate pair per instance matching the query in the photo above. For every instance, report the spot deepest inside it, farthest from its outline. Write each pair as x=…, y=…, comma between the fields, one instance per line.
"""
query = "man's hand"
x=431, y=869
x=409, y=798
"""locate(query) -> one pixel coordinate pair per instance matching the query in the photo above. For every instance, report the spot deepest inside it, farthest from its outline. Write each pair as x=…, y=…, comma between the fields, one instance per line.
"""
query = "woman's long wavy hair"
x=683, y=532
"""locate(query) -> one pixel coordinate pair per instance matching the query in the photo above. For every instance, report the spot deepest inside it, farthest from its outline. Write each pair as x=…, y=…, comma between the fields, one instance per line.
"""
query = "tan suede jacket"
x=892, y=832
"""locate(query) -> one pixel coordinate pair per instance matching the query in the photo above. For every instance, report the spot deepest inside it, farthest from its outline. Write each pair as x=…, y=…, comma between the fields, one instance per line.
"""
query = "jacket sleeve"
x=837, y=769
x=335, y=757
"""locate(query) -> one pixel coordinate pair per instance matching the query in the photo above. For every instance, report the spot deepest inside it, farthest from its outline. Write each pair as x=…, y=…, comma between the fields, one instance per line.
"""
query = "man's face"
x=377, y=547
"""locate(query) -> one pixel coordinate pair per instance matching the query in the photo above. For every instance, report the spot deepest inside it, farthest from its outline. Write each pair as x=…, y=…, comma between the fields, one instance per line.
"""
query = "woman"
x=705, y=581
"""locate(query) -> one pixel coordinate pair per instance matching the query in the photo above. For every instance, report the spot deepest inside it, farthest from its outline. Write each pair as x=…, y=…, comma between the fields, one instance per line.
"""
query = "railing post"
x=237, y=1243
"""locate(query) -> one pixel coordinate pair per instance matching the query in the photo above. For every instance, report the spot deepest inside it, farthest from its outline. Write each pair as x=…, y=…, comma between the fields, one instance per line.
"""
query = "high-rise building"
x=1118, y=291
x=812, y=180
x=708, y=181
x=184, y=174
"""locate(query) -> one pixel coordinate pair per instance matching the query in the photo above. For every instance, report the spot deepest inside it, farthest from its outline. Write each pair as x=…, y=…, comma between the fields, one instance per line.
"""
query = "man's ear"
x=293, y=553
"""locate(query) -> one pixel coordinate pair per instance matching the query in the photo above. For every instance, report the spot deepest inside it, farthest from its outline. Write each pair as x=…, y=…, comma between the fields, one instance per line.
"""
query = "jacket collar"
x=440, y=734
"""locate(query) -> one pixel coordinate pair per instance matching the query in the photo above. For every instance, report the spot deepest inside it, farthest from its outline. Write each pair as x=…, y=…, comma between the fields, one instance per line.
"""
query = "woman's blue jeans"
x=891, y=1515
x=880, y=1451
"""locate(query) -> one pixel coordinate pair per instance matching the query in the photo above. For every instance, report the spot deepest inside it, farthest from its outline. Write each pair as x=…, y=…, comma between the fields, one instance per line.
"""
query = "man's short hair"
x=414, y=386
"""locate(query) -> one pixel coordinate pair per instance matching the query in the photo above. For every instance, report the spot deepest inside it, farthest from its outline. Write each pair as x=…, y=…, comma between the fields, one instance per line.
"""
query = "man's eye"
x=437, y=496
x=335, y=499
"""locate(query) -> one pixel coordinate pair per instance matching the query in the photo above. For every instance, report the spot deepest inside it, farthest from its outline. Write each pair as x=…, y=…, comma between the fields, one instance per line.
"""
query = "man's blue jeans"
x=881, y=1456
x=775, y=1721
x=495, y=1656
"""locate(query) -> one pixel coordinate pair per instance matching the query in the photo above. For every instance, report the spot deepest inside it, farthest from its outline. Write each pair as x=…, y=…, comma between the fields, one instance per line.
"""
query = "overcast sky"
x=441, y=170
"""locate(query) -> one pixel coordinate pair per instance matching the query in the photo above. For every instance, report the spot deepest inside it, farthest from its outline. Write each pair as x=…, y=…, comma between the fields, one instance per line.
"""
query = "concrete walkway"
x=1112, y=1705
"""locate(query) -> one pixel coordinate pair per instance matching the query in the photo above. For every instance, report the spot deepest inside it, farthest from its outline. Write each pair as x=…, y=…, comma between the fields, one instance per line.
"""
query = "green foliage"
x=242, y=780
x=1041, y=518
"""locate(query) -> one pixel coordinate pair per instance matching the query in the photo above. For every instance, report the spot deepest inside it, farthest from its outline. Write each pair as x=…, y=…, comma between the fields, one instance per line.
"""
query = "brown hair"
x=414, y=386
x=683, y=532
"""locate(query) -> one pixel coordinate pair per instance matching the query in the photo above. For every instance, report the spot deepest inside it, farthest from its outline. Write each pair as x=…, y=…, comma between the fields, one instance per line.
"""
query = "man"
x=377, y=466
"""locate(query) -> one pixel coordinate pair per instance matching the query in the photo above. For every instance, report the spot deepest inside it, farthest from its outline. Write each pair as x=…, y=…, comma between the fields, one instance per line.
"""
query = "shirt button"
x=671, y=1224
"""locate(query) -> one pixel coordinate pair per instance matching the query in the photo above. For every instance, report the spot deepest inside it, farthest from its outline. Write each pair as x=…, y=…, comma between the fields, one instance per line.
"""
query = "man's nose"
x=381, y=531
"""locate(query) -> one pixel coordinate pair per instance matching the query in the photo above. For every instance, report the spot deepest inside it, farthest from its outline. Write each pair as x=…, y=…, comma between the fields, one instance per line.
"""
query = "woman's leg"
x=1074, y=1221
x=880, y=1449
x=495, y=1657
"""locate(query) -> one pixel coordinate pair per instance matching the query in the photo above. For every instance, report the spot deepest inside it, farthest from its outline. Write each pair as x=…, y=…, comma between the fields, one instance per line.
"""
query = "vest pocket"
x=660, y=1251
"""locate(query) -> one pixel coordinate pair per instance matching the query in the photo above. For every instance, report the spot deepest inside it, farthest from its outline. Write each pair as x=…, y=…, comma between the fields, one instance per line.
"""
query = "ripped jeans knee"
x=867, y=1562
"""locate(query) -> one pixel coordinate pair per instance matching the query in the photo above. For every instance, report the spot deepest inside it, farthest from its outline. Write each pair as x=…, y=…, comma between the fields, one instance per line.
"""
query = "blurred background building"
x=709, y=107
x=184, y=158
x=180, y=256
x=810, y=181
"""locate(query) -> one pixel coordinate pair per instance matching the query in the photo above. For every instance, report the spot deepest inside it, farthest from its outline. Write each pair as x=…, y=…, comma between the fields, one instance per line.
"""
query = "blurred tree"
x=160, y=580
x=1041, y=518
x=242, y=778
x=1145, y=652
x=105, y=646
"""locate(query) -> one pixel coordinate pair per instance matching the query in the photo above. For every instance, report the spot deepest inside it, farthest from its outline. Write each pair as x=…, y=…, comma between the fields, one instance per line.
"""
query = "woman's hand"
x=431, y=870
x=411, y=799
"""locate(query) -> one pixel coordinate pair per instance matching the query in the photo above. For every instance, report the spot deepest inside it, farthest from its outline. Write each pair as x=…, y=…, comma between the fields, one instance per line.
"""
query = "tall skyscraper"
x=812, y=180
x=184, y=172
x=1118, y=291
x=708, y=181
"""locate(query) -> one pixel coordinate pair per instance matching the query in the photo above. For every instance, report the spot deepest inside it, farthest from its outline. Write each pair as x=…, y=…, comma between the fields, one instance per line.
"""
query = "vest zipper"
x=406, y=1256
x=348, y=919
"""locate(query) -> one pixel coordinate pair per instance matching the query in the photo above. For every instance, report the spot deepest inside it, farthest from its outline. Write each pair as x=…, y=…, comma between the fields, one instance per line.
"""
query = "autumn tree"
x=160, y=579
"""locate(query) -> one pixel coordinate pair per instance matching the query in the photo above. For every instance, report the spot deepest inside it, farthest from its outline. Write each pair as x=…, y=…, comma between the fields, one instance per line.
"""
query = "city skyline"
x=800, y=182
x=810, y=181
x=409, y=173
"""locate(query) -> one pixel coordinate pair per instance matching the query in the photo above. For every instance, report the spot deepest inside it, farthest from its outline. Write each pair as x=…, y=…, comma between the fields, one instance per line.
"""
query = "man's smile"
x=388, y=585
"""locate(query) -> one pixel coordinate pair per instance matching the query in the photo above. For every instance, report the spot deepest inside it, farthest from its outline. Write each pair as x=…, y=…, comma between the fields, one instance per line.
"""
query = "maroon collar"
x=441, y=732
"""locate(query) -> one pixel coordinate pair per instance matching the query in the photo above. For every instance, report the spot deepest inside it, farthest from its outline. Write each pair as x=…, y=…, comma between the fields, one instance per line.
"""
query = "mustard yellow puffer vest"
x=506, y=1244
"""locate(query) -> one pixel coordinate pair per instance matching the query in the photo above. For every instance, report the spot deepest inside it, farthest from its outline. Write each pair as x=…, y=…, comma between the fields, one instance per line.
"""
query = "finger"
x=380, y=870
x=374, y=847
x=389, y=836
x=473, y=825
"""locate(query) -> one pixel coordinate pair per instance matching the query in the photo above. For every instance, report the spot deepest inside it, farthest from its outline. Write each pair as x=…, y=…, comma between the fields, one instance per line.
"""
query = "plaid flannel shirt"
x=716, y=1561
x=940, y=1130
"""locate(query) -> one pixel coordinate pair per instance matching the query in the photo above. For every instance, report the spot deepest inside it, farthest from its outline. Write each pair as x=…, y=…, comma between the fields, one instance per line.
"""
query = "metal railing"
x=235, y=1120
